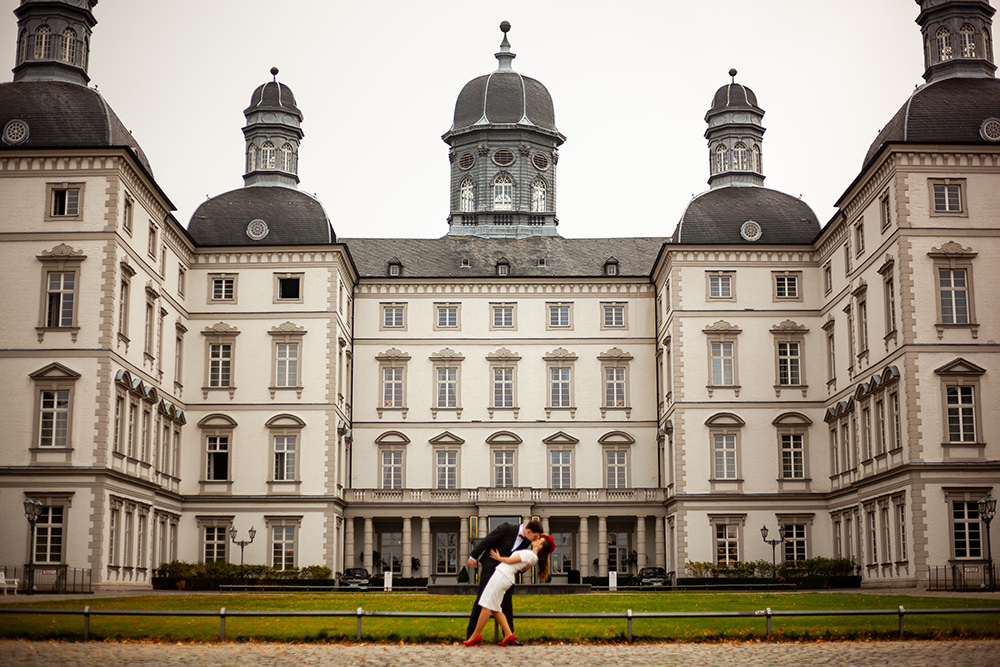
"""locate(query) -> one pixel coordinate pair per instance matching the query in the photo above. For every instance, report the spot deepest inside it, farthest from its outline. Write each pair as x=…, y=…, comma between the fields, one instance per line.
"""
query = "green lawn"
x=304, y=629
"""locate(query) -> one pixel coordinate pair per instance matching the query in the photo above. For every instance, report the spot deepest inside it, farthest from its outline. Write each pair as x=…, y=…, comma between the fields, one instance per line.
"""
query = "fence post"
x=360, y=612
x=86, y=622
x=629, y=625
x=901, y=612
x=767, y=612
x=222, y=624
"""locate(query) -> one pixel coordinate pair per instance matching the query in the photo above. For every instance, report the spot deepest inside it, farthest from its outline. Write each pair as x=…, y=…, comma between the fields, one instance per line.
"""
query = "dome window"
x=22, y=47
x=267, y=155
x=503, y=157
x=990, y=129
x=943, y=41
x=740, y=156
x=43, y=43
x=287, y=160
x=967, y=38
x=257, y=229
x=755, y=159
x=466, y=161
x=540, y=161
x=68, y=52
x=467, y=196
x=15, y=132
x=251, y=158
x=720, y=159
x=503, y=193
x=751, y=231
x=538, y=196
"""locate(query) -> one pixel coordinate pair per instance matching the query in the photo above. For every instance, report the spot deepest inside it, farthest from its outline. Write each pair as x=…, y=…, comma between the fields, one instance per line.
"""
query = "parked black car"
x=652, y=576
x=355, y=577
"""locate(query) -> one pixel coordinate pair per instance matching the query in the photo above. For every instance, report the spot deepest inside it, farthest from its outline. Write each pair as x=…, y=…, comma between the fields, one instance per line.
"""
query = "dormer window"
x=464, y=264
x=541, y=261
x=967, y=39
x=395, y=269
x=943, y=42
x=503, y=268
x=611, y=267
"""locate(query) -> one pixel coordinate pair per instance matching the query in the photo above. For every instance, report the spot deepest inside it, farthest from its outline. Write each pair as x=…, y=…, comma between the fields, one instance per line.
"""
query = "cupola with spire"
x=53, y=40
x=956, y=36
x=272, y=133
x=504, y=152
x=735, y=135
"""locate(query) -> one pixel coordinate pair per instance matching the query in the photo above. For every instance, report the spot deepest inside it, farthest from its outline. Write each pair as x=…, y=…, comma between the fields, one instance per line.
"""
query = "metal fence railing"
x=963, y=577
x=52, y=578
x=628, y=616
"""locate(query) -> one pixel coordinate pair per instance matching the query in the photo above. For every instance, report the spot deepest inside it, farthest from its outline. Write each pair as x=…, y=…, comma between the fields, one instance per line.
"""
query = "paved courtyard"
x=837, y=654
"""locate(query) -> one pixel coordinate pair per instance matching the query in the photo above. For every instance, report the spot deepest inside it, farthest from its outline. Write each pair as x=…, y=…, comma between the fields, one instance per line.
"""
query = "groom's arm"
x=491, y=541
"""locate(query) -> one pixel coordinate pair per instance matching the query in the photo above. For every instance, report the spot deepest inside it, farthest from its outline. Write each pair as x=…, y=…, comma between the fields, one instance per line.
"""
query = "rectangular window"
x=392, y=469
x=954, y=294
x=216, y=539
x=789, y=364
x=54, y=419
x=872, y=537
x=447, y=387
x=153, y=243
x=223, y=288
x=614, y=387
x=561, y=560
x=786, y=286
x=392, y=317
x=720, y=286
x=885, y=210
x=862, y=326
x=831, y=356
x=901, y=529
x=886, y=531
x=616, y=463
x=283, y=547
x=220, y=365
x=795, y=542
x=284, y=458
x=827, y=278
x=119, y=417
x=49, y=534
x=724, y=456
x=792, y=457
x=127, y=214
x=559, y=316
x=503, y=468
x=503, y=316
x=559, y=379
x=947, y=198
x=896, y=422
x=446, y=553
x=866, y=432
x=859, y=237
x=503, y=387
x=890, y=306
x=561, y=463
x=130, y=434
x=961, y=413
x=722, y=364
x=881, y=443
x=181, y=279
x=447, y=316
x=614, y=316
x=286, y=364
x=59, y=299
x=289, y=288
x=966, y=529
x=447, y=469
x=150, y=322
x=217, y=465
x=123, y=298
x=392, y=387
x=65, y=202
x=727, y=544
x=391, y=548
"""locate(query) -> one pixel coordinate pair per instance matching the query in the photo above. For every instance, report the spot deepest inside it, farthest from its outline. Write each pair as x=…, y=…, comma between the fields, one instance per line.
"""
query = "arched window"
x=22, y=47
x=967, y=37
x=43, y=43
x=755, y=159
x=503, y=193
x=538, y=196
x=466, y=196
x=251, y=158
x=267, y=156
x=68, y=52
x=943, y=40
x=986, y=44
x=740, y=156
x=720, y=159
x=288, y=158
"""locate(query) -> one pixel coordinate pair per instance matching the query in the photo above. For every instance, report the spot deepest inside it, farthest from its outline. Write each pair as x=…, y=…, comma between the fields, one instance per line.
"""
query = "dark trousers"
x=507, y=606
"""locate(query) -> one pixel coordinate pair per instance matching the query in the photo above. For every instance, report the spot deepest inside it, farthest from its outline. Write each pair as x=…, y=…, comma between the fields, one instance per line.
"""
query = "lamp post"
x=242, y=544
x=988, y=510
x=773, y=543
x=32, y=510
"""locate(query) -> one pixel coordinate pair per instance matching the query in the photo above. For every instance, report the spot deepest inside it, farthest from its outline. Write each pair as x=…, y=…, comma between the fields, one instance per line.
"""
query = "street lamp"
x=988, y=510
x=242, y=543
x=773, y=543
x=32, y=510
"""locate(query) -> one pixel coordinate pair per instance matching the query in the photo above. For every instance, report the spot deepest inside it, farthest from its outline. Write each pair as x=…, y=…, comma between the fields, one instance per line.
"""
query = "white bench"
x=6, y=583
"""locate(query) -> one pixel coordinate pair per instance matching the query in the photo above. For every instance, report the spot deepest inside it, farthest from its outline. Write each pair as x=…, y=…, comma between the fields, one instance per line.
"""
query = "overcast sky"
x=377, y=80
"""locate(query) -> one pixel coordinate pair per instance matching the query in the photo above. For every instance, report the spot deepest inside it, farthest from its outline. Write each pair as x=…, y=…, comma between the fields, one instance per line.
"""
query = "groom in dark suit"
x=505, y=538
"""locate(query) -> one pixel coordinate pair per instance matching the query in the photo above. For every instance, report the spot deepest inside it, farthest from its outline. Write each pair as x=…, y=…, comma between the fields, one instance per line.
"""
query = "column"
x=426, y=564
x=640, y=538
x=367, y=553
x=407, y=547
x=545, y=525
x=584, y=539
x=602, y=545
x=660, y=557
x=349, y=553
x=463, y=543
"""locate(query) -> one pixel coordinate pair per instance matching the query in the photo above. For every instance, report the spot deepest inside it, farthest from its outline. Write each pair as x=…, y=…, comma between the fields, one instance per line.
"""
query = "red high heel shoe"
x=508, y=640
x=473, y=642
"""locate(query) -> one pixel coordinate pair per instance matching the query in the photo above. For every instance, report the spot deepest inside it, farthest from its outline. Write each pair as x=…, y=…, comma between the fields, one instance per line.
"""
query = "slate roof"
x=564, y=258
x=273, y=96
x=950, y=111
x=504, y=98
x=734, y=95
x=717, y=215
x=292, y=217
x=64, y=115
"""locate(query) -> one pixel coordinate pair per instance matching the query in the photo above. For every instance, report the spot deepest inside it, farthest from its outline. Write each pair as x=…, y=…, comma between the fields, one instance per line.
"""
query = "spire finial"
x=274, y=73
x=732, y=73
x=505, y=56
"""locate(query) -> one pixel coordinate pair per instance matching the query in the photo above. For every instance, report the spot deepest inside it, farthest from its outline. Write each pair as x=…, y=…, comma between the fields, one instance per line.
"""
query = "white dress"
x=503, y=578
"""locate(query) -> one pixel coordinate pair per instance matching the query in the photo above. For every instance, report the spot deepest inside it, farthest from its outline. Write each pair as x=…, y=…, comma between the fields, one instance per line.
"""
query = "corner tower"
x=735, y=136
x=504, y=152
x=272, y=133
x=956, y=36
x=53, y=40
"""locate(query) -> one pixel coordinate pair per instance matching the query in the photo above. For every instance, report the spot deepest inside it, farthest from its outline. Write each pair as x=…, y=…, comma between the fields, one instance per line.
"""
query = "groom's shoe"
x=516, y=643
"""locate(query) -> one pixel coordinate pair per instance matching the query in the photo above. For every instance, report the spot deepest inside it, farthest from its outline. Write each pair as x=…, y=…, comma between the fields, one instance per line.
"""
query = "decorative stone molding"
x=722, y=325
x=393, y=354
x=503, y=354
x=560, y=354
x=789, y=326
x=447, y=354
x=615, y=354
x=288, y=328
x=952, y=249
x=62, y=251
x=220, y=328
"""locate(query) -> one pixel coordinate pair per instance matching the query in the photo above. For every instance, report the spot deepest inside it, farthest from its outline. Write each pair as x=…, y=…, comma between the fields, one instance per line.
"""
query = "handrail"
x=360, y=613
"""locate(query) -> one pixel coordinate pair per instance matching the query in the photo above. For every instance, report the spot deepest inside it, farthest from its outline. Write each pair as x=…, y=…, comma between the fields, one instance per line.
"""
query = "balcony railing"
x=505, y=494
